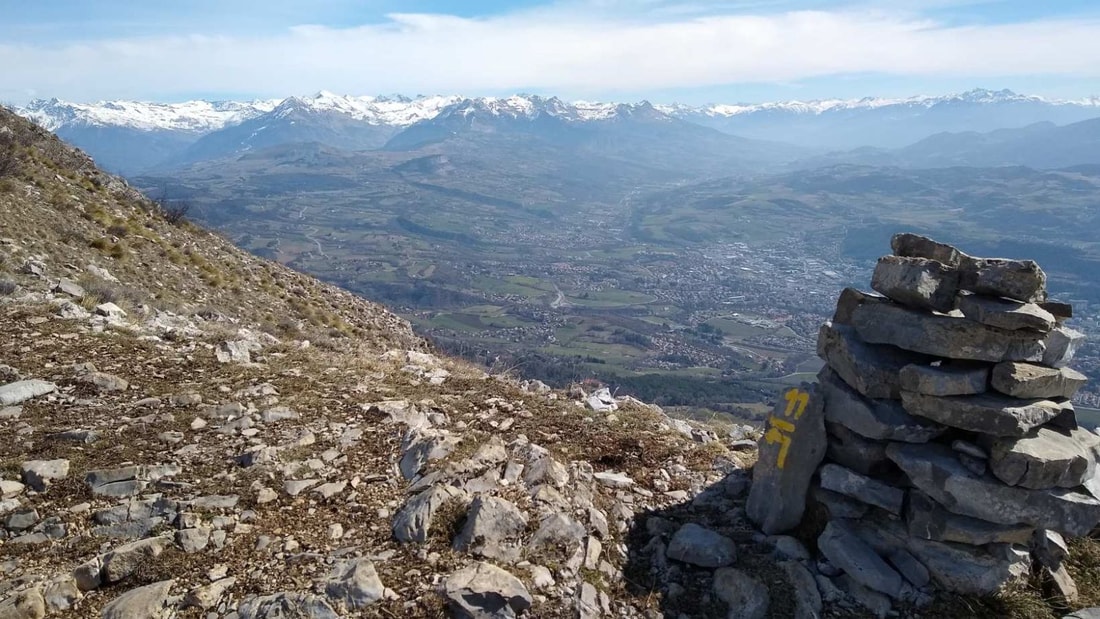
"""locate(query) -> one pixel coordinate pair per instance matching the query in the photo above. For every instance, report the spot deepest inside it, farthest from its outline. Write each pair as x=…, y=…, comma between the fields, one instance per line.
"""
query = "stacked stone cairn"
x=940, y=441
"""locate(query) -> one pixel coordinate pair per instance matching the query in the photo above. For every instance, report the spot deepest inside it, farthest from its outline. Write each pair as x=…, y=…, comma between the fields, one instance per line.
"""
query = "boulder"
x=493, y=529
x=1005, y=313
x=122, y=561
x=286, y=604
x=847, y=551
x=1061, y=345
x=1045, y=458
x=936, y=471
x=746, y=596
x=483, y=590
x=23, y=390
x=27, y=604
x=870, y=370
x=944, y=336
x=862, y=488
x=234, y=352
x=876, y=419
x=602, y=401
x=926, y=519
x=103, y=382
x=987, y=413
x=700, y=546
x=917, y=246
x=945, y=379
x=789, y=452
x=1021, y=280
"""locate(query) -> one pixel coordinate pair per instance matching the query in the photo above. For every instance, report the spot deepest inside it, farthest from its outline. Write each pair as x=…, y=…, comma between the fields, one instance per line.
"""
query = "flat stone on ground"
x=23, y=390
x=700, y=546
x=485, y=590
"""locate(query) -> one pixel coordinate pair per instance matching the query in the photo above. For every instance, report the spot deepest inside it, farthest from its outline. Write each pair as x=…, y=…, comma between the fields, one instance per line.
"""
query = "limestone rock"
x=422, y=445
x=23, y=390
x=148, y=602
x=602, y=401
x=936, y=471
x=849, y=300
x=948, y=379
x=28, y=604
x=1005, y=314
x=1046, y=458
x=1021, y=280
x=746, y=596
x=917, y=282
x=104, y=383
x=1049, y=548
x=414, y=521
x=1027, y=380
x=122, y=561
x=870, y=370
x=493, y=529
x=483, y=590
x=355, y=584
x=862, y=488
x=987, y=413
x=700, y=546
x=917, y=246
x=286, y=604
x=561, y=537
x=68, y=287
x=849, y=552
x=110, y=310
x=807, y=598
x=926, y=519
x=208, y=596
x=854, y=452
x=1061, y=583
x=944, y=336
x=877, y=419
x=789, y=453
x=234, y=352
x=40, y=473
x=971, y=570
x=1061, y=345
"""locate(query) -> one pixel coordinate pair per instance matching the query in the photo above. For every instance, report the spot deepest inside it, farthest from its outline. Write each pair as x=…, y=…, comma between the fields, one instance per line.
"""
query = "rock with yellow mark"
x=790, y=450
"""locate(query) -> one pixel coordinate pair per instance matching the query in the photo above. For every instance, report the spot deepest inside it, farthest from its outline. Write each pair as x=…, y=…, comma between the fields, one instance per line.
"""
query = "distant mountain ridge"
x=130, y=137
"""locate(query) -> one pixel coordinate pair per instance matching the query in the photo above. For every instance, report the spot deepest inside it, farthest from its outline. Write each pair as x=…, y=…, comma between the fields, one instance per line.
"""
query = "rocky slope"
x=189, y=431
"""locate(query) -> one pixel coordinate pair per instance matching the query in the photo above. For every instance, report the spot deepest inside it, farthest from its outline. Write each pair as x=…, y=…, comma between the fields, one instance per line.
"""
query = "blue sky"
x=693, y=51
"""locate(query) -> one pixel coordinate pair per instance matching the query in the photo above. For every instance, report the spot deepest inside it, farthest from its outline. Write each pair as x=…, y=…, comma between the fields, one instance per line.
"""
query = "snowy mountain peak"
x=190, y=116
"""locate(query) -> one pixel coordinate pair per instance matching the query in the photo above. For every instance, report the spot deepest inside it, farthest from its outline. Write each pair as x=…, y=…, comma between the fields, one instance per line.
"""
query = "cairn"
x=940, y=440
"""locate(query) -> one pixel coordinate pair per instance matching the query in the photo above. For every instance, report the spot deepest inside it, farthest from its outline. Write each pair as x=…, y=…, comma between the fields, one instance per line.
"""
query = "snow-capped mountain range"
x=130, y=135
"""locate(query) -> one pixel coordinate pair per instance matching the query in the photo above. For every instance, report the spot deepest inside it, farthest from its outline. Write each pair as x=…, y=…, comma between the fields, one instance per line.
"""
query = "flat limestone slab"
x=946, y=379
x=926, y=519
x=1027, y=380
x=917, y=246
x=936, y=471
x=943, y=336
x=789, y=452
x=23, y=390
x=876, y=419
x=1046, y=458
x=1005, y=313
x=869, y=369
x=988, y=413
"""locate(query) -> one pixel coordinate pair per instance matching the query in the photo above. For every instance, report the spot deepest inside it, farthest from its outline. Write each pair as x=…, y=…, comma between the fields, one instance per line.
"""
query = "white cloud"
x=562, y=50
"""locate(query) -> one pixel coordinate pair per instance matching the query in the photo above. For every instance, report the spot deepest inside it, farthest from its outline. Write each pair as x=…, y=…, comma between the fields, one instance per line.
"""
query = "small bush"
x=9, y=154
x=7, y=287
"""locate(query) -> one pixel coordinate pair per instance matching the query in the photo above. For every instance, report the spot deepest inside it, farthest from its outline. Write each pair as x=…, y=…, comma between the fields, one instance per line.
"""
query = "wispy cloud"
x=559, y=50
